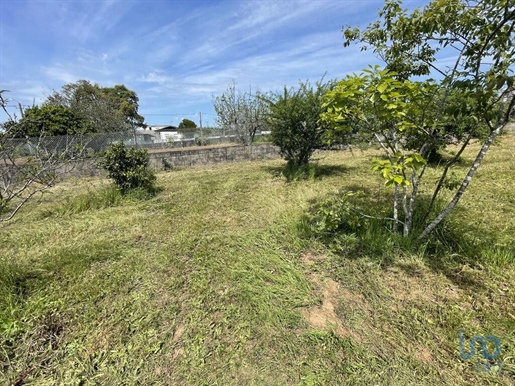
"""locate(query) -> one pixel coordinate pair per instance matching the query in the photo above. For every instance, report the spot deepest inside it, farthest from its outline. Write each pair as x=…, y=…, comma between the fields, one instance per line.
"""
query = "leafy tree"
x=107, y=109
x=125, y=102
x=456, y=122
x=294, y=119
x=128, y=168
x=392, y=111
x=187, y=124
x=50, y=120
x=240, y=113
x=474, y=97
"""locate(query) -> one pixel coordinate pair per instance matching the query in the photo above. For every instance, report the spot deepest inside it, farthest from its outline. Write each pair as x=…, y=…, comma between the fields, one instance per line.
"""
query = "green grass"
x=215, y=281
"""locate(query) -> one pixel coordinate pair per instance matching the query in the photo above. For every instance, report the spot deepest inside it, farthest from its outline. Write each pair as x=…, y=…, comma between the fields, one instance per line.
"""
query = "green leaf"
x=382, y=87
x=398, y=179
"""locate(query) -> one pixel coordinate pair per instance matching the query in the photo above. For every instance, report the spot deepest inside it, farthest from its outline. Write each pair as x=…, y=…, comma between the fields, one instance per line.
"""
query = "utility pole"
x=200, y=123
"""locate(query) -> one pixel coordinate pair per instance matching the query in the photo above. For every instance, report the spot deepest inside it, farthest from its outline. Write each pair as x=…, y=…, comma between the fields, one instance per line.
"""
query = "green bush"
x=294, y=120
x=128, y=168
x=337, y=222
x=340, y=213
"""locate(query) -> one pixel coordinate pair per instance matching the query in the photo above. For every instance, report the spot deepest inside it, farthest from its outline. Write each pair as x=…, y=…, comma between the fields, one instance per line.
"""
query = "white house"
x=161, y=133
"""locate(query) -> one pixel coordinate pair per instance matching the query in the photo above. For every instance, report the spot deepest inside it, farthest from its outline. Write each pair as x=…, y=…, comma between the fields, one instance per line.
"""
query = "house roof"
x=162, y=128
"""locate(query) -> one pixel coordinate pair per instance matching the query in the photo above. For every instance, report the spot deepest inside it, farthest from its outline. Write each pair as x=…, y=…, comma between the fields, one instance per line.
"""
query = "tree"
x=187, y=124
x=393, y=111
x=28, y=166
x=294, y=119
x=473, y=96
x=50, y=120
x=240, y=113
x=107, y=109
x=125, y=103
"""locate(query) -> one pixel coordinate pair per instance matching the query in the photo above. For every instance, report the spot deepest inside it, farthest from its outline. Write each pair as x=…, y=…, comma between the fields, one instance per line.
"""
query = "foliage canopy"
x=50, y=120
x=107, y=109
x=187, y=124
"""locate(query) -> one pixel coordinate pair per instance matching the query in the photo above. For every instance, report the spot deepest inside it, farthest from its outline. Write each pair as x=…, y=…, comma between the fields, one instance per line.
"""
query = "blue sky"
x=177, y=54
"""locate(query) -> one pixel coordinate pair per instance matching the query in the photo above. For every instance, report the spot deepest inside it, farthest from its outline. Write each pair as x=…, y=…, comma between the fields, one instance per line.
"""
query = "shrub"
x=339, y=213
x=294, y=120
x=337, y=222
x=128, y=168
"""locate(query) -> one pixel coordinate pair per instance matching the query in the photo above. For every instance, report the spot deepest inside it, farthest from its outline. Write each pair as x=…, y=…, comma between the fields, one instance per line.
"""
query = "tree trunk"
x=444, y=174
x=464, y=184
x=415, y=181
x=405, y=230
x=396, y=208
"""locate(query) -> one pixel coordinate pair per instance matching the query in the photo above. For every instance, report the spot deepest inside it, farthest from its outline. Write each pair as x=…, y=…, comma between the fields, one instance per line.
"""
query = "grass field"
x=217, y=281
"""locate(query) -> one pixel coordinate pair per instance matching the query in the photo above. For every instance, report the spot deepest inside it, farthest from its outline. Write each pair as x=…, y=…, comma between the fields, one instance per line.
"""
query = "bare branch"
x=396, y=220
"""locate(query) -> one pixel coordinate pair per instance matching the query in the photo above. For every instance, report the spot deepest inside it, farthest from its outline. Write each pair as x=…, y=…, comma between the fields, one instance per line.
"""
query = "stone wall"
x=211, y=155
x=174, y=158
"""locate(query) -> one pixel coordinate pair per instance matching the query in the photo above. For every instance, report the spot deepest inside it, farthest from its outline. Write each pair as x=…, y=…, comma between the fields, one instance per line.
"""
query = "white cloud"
x=58, y=72
x=159, y=78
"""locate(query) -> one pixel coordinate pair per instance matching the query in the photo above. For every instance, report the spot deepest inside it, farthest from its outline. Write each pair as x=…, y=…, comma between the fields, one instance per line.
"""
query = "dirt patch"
x=323, y=316
x=179, y=332
x=424, y=355
x=177, y=353
x=405, y=288
x=229, y=220
x=177, y=335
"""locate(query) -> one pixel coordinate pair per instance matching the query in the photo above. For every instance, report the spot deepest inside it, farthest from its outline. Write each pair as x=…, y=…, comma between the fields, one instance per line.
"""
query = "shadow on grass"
x=411, y=269
x=76, y=260
x=357, y=225
x=312, y=171
x=332, y=170
x=67, y=261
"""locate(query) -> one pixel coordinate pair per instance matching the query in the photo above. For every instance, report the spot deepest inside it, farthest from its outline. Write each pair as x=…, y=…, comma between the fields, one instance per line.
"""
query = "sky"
x=176, y=55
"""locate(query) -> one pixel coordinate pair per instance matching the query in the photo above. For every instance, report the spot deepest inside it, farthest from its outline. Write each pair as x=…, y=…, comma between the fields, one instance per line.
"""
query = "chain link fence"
x=97, y=143
x=88, y=143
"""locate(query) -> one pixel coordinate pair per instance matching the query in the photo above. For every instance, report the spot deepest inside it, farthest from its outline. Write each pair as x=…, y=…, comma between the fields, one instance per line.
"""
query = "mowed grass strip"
x=215, y=282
